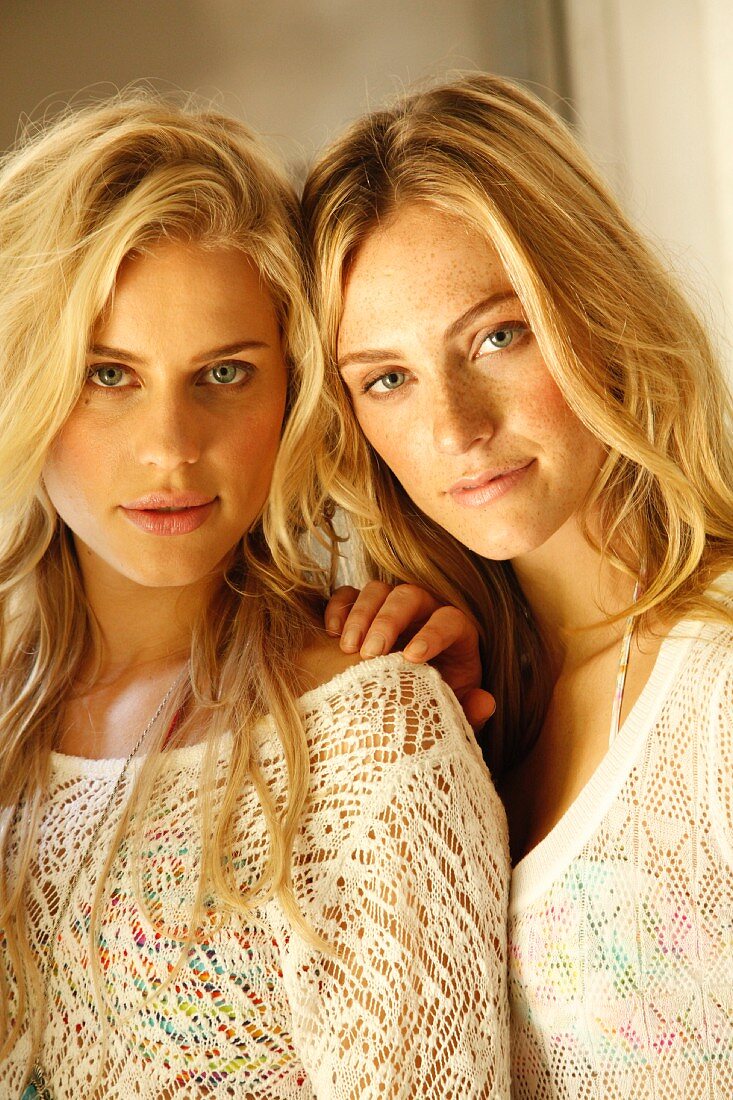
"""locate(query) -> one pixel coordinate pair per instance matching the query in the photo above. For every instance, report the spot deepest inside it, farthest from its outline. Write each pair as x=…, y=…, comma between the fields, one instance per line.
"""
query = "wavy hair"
x=76, y=199
x=627, y=351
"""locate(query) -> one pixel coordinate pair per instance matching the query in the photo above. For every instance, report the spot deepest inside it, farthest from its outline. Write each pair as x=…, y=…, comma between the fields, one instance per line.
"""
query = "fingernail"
x=350, y=640
x=415, y=651
x=373, y=646
x=333, y=627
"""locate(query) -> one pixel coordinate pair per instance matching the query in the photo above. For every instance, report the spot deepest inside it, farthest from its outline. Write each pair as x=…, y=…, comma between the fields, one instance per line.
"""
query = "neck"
x=572, y=592
x=140, y=626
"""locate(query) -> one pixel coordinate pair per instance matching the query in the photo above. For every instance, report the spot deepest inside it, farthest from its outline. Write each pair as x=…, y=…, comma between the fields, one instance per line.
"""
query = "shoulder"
x=322, y=659
x=388, y=708
x=389, y=742
x=710, y=658
x=697, y=660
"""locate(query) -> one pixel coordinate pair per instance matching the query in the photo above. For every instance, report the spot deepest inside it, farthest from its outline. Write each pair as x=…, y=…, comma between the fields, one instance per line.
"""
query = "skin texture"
x=166, y=424
x=443, y=396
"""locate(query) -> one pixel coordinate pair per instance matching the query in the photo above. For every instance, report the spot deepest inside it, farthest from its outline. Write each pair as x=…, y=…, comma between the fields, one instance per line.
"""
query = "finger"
x=478, y=706
x=338, y=607
x=365, y=607
x=446, y=627
x=406, y=606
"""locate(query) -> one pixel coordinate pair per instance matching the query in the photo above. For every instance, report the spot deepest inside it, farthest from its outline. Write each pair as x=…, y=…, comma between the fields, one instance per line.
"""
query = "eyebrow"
x=213, y=353
x=379, y=355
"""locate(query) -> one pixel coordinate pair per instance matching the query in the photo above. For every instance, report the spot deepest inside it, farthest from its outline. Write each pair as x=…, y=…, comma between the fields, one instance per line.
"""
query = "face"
x=165, y=462
x=450, y=389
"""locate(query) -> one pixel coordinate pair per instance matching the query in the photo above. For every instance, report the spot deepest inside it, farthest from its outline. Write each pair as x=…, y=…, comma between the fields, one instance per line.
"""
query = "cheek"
x=394, y=439
x=573, y=449
x=252, y=442
x=75, y=466
x=536, y=407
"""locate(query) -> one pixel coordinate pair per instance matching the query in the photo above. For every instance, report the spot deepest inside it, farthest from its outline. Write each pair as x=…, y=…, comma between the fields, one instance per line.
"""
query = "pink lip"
x=151, y=513
x=183, y=498
x=483, y=488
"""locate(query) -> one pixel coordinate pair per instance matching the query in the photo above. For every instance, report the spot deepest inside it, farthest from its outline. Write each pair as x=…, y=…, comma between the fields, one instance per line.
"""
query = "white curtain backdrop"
x=652, y=84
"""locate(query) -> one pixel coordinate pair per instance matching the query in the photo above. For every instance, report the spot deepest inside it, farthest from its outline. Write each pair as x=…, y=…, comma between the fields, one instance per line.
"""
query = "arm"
x=413, y=1002
x=372, y=622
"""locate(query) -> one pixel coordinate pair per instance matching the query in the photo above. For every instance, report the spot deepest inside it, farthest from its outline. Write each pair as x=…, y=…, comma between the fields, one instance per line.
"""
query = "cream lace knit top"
x=621, y=919
x=401, y=860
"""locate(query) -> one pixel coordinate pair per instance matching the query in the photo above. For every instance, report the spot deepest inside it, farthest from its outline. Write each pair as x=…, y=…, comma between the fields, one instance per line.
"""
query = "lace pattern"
x=401, y=861
x=621, y=945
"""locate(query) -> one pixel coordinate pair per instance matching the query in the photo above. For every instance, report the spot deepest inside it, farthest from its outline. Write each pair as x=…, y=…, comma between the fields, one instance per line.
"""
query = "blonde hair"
x=75, y=200
x=625, y=348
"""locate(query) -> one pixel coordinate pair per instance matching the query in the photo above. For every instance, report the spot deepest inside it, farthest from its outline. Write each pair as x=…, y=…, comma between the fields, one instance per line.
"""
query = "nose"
x=169, y=435
x=461, y=416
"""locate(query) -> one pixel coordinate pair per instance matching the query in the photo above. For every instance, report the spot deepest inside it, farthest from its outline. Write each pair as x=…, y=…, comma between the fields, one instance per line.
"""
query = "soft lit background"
x=647, y=83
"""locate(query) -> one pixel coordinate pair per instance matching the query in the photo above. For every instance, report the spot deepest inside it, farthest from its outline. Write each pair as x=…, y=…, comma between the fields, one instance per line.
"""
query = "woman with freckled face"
x=234, y=862
x=539, y=448
x=466, y=380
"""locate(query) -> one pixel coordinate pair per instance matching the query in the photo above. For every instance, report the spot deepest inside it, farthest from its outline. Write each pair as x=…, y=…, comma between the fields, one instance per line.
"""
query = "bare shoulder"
x=321, y=659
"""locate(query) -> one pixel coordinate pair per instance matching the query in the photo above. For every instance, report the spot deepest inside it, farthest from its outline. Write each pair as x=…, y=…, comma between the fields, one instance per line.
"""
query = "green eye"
x=108, y=377
x=226, y=373
x=502, y=337
x=388, y=382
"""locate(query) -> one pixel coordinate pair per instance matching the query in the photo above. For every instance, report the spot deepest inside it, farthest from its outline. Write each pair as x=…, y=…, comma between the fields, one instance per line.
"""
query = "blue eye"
x=389, y=382
x=108, y=377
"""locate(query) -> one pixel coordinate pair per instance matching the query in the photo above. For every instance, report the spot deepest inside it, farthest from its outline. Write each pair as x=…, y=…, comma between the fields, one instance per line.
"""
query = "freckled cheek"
x=389, y=436
x=405, y=447
x=540, y=404
x=571, y=446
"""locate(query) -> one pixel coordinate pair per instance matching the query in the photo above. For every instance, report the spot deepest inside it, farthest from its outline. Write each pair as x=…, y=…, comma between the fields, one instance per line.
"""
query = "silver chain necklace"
x=36, y=1087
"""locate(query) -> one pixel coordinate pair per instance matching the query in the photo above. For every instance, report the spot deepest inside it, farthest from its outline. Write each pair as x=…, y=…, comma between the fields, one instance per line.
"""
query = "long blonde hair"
x=625, y=348
x=74, y=201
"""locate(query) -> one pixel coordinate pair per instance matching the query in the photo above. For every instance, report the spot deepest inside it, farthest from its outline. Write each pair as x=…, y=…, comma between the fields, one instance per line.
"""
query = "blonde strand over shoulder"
x=76, y=198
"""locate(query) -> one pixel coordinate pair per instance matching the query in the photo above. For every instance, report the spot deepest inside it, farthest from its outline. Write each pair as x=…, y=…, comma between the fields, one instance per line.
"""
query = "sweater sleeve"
x=412, y=1003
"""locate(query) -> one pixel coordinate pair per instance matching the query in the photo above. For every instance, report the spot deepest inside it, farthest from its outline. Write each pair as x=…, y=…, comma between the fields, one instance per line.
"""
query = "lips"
x=478, y=489
x=163, y=513
x=168, y=500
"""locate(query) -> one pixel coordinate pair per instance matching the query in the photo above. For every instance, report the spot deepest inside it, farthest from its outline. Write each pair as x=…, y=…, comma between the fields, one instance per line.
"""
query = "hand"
x=371, y=622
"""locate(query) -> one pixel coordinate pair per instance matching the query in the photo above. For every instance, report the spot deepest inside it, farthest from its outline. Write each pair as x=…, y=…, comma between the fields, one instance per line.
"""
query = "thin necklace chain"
x=623, y=665
x=63, y=909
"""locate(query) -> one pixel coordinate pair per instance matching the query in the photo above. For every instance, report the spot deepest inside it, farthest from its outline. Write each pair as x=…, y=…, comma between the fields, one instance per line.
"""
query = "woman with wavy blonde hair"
x=231, y=863
x=541, y=405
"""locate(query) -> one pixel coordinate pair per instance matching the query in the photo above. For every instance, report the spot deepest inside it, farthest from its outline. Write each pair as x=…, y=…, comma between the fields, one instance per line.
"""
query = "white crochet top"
x=621, y=919
x=402, y=861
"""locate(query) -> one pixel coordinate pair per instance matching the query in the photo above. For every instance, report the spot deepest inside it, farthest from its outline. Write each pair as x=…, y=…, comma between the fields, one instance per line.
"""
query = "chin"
x=501, y=545
x=168, y=571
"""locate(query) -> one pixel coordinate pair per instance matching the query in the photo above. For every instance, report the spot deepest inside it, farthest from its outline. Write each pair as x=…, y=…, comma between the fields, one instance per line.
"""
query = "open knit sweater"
x=401, y=861
x=621, y=919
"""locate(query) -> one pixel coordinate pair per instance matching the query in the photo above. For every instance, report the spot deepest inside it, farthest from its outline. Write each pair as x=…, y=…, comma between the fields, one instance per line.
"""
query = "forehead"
x=186, y=286
x=423, y=262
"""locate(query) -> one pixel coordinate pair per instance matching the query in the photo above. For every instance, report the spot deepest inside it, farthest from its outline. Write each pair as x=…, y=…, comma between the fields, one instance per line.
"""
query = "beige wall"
x=296, y=69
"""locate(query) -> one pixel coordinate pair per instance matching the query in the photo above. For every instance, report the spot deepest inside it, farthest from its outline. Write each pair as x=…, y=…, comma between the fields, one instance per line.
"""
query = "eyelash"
x=246, y=370
x=508, y=326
